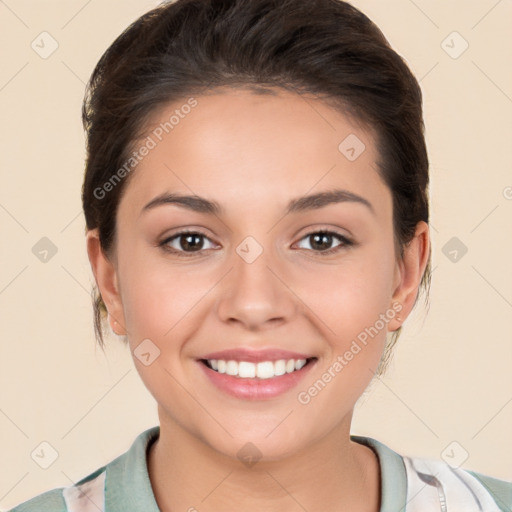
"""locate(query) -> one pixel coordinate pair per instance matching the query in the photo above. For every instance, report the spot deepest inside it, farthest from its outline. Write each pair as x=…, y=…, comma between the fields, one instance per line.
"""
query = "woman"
x=257, y=224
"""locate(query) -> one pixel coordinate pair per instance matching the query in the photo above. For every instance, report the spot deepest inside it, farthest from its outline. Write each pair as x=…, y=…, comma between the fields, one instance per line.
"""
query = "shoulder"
x=50, y=501
x=436, y=480
x=501, y=490
x=429, y=485
x=128, y=484
x=64, y=499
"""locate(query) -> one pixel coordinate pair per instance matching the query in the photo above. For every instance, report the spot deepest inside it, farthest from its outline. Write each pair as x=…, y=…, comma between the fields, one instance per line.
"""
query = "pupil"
x=191, y=241
x=322, y=239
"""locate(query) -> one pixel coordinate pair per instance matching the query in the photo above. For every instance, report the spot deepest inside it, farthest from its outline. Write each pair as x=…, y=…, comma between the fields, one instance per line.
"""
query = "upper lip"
x=255, y=356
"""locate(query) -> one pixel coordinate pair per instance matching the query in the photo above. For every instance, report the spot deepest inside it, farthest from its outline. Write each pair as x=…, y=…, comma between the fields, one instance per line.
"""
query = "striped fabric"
x=87, y=497
x=433, y=485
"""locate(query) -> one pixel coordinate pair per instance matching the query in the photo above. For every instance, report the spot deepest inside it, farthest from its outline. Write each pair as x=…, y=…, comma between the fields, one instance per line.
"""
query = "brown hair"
x=324, y=47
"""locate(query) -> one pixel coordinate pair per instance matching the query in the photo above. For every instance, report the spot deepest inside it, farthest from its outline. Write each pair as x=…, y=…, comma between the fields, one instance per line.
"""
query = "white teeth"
x=265, y=370
x=280, y=367
x=261, y=370
x=231, y=368
x=299, y=363
x=246, y=370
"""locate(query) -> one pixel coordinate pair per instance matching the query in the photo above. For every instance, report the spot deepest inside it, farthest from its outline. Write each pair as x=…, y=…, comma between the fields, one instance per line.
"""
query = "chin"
x=260, y=443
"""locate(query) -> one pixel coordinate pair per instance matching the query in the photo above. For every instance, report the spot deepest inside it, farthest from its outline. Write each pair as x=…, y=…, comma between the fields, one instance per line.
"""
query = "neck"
x=333, y=474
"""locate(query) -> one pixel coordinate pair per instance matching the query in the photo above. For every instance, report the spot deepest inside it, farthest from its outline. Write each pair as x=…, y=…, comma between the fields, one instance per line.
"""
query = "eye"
x=321, y=241
x=189, y=243
x=186, y=243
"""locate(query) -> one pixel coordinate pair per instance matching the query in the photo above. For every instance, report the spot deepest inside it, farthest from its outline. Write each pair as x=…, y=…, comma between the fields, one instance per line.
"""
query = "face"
x=264, y=272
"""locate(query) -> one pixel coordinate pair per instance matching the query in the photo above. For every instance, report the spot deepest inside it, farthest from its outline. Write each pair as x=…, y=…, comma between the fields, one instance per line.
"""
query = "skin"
x=252, y=154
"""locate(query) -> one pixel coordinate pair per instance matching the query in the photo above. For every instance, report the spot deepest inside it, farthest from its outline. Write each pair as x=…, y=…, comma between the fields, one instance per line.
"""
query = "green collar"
x=393, y=478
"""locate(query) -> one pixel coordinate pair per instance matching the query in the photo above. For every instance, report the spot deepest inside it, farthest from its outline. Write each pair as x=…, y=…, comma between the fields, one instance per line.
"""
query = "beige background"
x=450, y=379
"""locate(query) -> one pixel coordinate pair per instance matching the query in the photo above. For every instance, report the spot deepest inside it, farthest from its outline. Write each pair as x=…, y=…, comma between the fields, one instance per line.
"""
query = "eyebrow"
x=301, y=204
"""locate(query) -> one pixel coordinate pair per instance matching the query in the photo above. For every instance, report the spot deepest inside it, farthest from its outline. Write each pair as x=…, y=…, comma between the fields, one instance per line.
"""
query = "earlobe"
x=410, y=272
x=106, y=279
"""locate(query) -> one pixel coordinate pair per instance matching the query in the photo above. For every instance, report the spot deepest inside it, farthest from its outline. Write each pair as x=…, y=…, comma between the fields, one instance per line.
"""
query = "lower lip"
x=256, y=389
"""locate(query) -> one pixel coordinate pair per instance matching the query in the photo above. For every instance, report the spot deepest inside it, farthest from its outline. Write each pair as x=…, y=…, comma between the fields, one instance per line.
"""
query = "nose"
x=255, y=294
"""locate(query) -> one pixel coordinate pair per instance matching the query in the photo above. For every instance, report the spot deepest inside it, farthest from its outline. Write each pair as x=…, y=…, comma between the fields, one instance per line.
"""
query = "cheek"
x=158, y=302
x=350, y=296
x=156, y=294
x=155, y=303
x=355, y=303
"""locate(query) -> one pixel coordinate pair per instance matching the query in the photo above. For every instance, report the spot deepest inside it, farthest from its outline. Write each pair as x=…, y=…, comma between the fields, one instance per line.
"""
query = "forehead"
x=246, y=149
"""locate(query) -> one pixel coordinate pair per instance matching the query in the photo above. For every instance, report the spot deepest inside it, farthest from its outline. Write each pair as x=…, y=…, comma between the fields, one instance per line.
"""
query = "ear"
x=107, y=281
x=409, y=272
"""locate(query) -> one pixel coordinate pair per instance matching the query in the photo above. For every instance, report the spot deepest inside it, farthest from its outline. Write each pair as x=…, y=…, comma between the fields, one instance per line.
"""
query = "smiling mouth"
x=260, y=370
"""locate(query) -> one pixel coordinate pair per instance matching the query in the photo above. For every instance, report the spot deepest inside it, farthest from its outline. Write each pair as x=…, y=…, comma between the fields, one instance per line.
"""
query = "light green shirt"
x=408, y=484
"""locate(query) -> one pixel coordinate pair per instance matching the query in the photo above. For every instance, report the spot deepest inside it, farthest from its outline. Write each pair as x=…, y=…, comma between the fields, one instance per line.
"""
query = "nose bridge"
x=253, y=295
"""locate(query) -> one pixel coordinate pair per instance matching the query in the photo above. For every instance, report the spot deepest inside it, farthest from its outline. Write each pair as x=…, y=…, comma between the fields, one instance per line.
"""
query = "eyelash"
x=345, y=242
